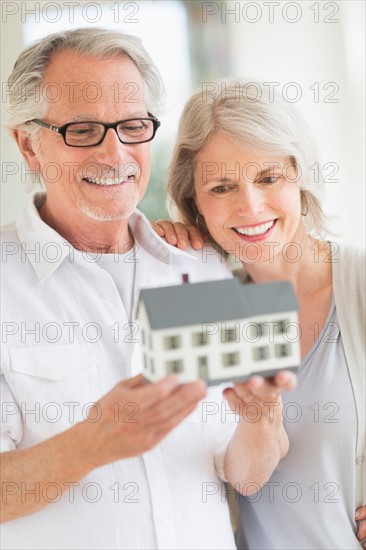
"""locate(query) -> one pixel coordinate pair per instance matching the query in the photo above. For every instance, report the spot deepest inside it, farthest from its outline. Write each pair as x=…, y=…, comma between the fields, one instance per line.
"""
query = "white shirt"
x=66, y=342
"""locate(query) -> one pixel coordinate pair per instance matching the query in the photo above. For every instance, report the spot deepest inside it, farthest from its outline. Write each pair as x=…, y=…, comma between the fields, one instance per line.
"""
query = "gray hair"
x=261, y=123
x=26, y=100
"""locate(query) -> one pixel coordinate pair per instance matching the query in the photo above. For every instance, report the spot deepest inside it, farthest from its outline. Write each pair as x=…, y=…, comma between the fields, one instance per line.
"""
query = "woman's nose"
x=250, y=202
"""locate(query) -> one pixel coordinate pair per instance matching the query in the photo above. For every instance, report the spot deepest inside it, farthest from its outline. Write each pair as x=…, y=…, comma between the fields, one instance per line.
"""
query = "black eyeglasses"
x=90, y=133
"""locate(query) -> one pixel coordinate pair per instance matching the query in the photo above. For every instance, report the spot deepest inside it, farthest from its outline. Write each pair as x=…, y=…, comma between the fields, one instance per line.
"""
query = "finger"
x=270, y=388
x=232, y=398
x=173, y=421
x=182, y=234
x=361, y=513
x=149, y=395
x=361, y=533
x=185, y=396
x=195, y=236
x=242, y=393
x=285, y=380
x=169, y=231
x=134, y=382
x=258, y=387
x=157, y=228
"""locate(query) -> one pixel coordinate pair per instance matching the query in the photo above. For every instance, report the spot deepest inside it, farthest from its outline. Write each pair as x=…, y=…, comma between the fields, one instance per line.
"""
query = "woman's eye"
x=268, y=180
x=219, y=189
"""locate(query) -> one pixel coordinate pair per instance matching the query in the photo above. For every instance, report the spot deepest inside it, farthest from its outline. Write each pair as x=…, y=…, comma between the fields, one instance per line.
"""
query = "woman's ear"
x=24, y=142
x=197, y=205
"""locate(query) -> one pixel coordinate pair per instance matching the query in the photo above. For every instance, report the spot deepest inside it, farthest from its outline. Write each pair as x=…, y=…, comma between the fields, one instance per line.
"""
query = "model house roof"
x=215, y=301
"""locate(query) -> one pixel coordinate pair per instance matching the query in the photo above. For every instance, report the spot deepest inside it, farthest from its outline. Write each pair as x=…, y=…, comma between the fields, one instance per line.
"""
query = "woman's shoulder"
x=348, y=260
x=347, y=252
x=349, y=271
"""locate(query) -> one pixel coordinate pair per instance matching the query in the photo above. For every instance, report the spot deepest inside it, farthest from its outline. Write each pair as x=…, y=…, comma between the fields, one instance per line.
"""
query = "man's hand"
x=361, y=520
x=178, y=234
x=129, y=420
x=134, y=416
x=260, y=440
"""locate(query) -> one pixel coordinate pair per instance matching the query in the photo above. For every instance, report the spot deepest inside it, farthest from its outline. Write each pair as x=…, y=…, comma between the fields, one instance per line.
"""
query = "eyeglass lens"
x=90, y=133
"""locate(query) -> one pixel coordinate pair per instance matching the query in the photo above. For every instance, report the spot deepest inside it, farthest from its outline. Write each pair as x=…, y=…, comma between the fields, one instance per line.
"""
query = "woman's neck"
x=309, y=272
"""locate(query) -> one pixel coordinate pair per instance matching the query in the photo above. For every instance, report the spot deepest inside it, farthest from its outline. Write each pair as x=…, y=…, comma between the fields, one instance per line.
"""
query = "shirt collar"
x=146, y=237
x=43, y=246
x=46, y=249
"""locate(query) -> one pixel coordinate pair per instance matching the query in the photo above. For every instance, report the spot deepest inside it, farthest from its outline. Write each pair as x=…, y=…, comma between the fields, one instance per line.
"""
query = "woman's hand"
x=361, y=519
x=178, y=234
x=260, y=440
x=260, y=390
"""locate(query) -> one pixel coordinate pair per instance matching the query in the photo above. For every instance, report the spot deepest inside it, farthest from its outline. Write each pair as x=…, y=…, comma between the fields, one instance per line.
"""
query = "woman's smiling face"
x=251, y=202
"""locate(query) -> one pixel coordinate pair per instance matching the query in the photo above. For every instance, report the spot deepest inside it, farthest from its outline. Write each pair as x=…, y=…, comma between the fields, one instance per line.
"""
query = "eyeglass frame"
x=62, y=129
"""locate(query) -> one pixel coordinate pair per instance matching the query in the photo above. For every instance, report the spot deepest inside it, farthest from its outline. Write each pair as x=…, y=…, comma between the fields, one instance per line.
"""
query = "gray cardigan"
x=349, y=293
x=349, y=290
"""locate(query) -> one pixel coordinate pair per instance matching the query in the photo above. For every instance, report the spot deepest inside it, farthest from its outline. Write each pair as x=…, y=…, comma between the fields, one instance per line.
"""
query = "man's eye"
x=80, y=132
x=135, y=128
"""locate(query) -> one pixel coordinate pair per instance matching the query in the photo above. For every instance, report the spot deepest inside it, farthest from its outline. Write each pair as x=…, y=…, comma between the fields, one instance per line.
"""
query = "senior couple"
x=92, y=457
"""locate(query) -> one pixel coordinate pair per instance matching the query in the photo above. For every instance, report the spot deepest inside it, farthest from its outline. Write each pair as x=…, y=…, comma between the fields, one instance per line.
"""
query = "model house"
x=219, y=331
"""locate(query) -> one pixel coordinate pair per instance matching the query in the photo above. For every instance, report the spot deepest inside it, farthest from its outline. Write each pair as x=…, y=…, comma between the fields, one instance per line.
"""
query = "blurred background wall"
x=312, y=52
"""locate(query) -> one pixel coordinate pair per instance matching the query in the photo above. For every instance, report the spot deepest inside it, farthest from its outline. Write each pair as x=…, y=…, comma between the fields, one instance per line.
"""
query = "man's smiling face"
x=103, y=182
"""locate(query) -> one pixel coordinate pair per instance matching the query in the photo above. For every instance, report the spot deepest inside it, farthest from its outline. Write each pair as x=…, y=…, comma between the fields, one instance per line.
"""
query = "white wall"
x=314, y=49
x=13, y=190
x=305, y=52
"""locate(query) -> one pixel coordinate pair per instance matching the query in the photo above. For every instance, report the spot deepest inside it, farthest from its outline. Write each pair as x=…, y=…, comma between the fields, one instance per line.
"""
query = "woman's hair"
x=255, y=119
x=26, y=97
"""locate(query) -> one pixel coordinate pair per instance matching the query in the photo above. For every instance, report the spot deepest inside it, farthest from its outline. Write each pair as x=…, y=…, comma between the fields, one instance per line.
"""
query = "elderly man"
x=93, y=457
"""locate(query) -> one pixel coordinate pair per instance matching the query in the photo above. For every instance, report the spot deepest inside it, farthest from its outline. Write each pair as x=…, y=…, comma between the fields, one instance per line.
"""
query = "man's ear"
x=26, y=148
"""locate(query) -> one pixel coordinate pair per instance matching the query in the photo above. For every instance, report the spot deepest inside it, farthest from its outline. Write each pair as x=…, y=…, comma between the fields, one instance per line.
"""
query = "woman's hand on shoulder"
x=178, y=234
x=361, y=520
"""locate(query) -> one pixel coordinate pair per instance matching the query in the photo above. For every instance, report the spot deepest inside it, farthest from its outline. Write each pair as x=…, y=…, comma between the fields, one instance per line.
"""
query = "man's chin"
x=99, y=214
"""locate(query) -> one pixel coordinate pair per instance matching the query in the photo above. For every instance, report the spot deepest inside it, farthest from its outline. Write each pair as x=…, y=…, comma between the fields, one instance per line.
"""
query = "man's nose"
x=111, y=150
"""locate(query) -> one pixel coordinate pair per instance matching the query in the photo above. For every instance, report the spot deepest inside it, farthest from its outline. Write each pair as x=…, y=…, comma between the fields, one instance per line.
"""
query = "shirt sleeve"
x=219, y=459
x=217, y=413
x=10, y=418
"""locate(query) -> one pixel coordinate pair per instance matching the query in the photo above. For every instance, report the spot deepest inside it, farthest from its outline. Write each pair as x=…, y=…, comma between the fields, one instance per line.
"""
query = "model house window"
x=260, y=353
x=229, y=335
x=280, y=326
x=145, y=362
x=259, y=330
x=173, y=367
x=143, y=336
x=199, y=339
x=152, y=366
x=172, y=342
x=230, y=359
x=150, y=342
x=202, y=366
x=283, y=350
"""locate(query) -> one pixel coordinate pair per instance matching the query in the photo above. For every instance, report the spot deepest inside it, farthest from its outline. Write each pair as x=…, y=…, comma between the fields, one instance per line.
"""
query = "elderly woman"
x=241, y=172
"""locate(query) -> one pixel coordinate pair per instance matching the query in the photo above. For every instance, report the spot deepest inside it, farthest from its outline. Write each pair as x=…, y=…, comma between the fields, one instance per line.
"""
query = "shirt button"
x=360, y=459
x=164, y=519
